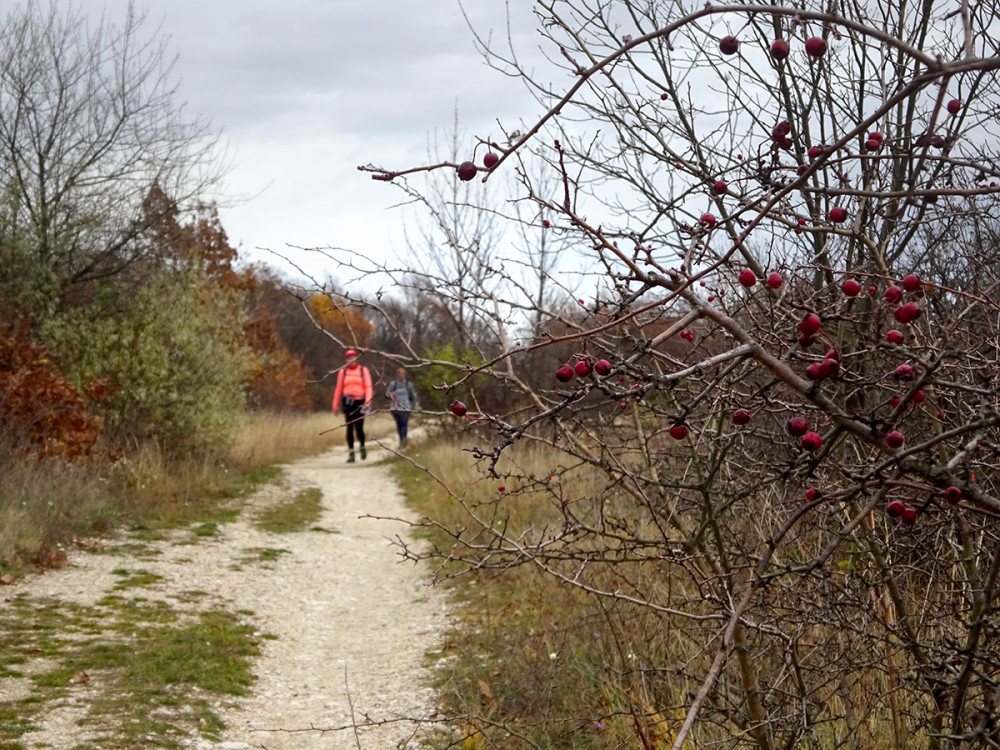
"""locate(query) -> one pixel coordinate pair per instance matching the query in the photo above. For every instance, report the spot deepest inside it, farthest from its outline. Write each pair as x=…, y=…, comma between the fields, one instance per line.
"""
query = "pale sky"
x=306, y=90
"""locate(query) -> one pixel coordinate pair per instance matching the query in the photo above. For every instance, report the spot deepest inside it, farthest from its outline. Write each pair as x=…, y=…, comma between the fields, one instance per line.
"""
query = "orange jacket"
x=355, y=381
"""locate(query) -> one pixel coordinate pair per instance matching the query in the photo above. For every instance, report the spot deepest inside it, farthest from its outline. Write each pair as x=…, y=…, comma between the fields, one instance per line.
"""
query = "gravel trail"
x=351, y=621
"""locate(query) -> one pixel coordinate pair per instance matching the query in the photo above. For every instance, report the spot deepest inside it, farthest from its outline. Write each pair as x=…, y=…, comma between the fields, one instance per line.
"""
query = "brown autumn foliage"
x=40, y=412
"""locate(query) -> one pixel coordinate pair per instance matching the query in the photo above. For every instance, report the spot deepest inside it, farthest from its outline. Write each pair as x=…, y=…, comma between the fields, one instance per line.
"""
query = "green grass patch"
x=135, y=578
x=298, y=513
x=158, y=668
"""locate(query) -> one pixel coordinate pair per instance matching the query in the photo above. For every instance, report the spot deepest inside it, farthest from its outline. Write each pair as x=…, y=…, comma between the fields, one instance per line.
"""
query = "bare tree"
x=90, y=122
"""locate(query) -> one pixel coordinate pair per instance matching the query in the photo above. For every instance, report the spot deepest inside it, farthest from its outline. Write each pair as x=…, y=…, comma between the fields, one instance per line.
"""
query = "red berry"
x=664, y=97
x=907, y=313
x=501, y=488
x=679, y=431
x=815, y=371
x=893, y=294
x=779, y=49
x=873, y=145
x=919, y=397
x=774, y=280
x=708, y=220
x=565, y=373
x=813, y=494
x=815, y=47
x=458, y=409
x=952, y=495
x=742, y=416
x=811, y=441
x=747, y=278
x=721, y=187
x=728, y=45
x=466, y=171
x=797, y=426
x=490, y=160
x=895, y=337
x=908, y=515
x=602, y=367
x=810, y=324
x=545, y=223
x=875, y=136
x=894, y=439
x=805, y=340
x=904, y=372
x=814, y=152
x=895, y=508
x=851, y=288
x=954, y=106
x=911, y=282
x=837, y=214
x=831, y=367
x=582, y=368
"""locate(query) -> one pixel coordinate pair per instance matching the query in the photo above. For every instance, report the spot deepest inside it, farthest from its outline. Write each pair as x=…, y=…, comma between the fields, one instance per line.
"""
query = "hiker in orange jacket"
x=353, y=396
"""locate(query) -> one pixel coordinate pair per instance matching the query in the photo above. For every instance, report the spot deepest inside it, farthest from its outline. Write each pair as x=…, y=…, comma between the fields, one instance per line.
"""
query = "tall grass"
x=538, y=662
x=46, y=503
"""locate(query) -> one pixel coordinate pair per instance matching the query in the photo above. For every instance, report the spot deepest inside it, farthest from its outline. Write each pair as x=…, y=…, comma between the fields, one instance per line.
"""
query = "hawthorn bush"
x=786, y=221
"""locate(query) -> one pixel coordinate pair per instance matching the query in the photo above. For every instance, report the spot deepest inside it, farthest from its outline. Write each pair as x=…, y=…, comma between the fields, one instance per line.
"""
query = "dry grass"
x=45, y=504
x=538, y=658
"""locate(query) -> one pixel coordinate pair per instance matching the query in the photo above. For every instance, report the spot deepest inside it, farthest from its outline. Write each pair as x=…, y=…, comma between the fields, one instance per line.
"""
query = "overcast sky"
x=306, y=90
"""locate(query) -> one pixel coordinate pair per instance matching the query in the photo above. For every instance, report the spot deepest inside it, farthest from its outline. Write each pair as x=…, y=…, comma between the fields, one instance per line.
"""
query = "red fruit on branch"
x=837, y=215
x=815, y=152
x=812, y=441
x=728, y=45
x=904, y=372
x=815, y=371
x=810, y=324
x=565, y=373
x=774, y=280
x=873, y=145
x=708, y=220
x=466, y=171
x=894, y=509
x=490, y=160
x=894, y=439
x=893, y=295
x=458, y=409
x=741, y=416
x=895, y=337
x=747, y=278
x=813, y=494
x=907, y=313
x=952, y=495
x=851, y=288
x=954, y=106
x=911, y=282
x=779, y=49
x=679, y=431
x=815, y=47
x=908, y=515
x=582, y=368
x=721, y=187
x=797, y=426
x=602, y=367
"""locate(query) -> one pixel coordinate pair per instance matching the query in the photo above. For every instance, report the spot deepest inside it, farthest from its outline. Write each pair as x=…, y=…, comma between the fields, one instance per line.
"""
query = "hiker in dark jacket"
x=402, y=401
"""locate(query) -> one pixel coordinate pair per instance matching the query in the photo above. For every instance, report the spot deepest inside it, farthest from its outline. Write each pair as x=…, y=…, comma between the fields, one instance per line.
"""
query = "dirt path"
x=352, y=622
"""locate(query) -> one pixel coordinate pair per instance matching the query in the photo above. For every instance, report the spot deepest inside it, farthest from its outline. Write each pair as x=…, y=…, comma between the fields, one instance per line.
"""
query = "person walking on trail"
x=353, y=397
x=402, y=401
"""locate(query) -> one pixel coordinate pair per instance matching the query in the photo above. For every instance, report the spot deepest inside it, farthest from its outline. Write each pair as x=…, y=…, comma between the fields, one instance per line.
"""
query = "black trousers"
x=355, y=417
